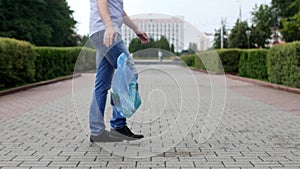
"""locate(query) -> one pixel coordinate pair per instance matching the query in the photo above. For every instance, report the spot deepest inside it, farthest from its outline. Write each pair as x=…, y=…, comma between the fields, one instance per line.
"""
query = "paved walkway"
x=251, y=126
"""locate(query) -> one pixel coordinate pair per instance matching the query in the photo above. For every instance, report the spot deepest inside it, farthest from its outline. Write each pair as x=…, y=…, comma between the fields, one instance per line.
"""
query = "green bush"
x=189, y=60
x=253, y=64
x=53, y=62
x=283, y=63
x=21, y=63
x=230, y=59
x=208, y=60
x=198, y=62
x=218, y=60
x=86, y=61
x=17, y=62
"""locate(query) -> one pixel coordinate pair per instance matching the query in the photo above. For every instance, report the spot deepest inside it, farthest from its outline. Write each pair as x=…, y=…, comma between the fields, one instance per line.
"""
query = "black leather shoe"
x=104, y=137
x=124, y=133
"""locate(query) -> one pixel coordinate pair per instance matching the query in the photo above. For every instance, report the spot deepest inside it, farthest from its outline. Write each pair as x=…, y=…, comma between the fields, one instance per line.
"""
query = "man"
x=106, y=19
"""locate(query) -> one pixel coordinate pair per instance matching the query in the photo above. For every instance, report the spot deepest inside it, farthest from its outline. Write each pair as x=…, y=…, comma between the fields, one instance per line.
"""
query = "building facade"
x=205, y=41
x=156, y=26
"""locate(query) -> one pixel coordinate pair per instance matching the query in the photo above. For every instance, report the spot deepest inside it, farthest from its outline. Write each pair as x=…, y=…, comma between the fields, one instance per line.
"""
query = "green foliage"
x=172, y=48
x=16, y=62
x=209, y=60
x=291, y=25
x=280, y=64
x=84, y=40
x=53, y=62
x=136, y=45
x=263, y=19
x=283, y=63
x=189, y=60
x=199, y=60
x=41, y=22
x=59, y=16
x=288, y=13
x=163, y=43
x=86, y=61
x=218, y=61
x=217, y=38
x=283, y=8
x=230, y=59
x=291, y=28
x=253, y=64
x=21, y=63
x=238, y=37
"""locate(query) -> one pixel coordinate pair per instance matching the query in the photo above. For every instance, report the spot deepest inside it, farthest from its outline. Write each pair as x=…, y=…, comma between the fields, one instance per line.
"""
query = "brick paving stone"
x=160, y=164
x=259, y=127
x=30, y=99
x=34, y=164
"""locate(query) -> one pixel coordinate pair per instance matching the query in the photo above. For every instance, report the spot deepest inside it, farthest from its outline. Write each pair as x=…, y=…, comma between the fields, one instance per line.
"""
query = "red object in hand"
x=144, y=38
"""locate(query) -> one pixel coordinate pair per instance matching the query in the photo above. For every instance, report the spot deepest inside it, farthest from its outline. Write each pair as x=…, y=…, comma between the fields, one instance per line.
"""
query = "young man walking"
x=106, y=19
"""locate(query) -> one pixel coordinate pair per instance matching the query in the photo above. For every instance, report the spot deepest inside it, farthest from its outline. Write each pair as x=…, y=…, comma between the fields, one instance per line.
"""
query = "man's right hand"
x=142, y=36
x=110, y=36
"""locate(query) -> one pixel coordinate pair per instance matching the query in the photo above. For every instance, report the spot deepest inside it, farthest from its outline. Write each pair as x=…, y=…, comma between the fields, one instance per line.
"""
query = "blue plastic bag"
x=124, y=91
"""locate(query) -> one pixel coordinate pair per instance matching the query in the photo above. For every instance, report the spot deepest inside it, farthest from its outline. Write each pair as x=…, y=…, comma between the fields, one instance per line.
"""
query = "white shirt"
x=116, y=13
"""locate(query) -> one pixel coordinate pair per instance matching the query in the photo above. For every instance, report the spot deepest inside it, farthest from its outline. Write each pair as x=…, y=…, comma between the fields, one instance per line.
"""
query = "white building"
x=205, y=41
x=156, y=26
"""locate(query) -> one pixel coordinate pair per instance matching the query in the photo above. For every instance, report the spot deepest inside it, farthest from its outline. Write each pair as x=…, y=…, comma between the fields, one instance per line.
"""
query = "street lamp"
x=248, y=32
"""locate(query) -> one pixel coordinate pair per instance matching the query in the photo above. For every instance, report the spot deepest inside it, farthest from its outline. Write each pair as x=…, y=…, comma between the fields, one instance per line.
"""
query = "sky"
x=205, y=15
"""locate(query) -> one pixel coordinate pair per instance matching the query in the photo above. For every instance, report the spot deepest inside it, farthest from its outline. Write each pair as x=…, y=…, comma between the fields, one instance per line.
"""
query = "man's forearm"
x=129, y=22
x=104, y=12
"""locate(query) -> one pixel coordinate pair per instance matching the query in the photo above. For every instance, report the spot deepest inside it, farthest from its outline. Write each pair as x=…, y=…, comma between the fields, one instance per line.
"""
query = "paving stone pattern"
x=176, y=121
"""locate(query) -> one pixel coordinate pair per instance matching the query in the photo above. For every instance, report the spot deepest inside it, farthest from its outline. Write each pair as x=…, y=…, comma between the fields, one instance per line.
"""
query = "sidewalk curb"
x=265, y=84
x=29, y=86
x=207, y=72
x=253, y=81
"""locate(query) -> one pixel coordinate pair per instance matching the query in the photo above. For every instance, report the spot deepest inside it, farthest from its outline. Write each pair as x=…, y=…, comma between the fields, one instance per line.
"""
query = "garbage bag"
x=124, y=90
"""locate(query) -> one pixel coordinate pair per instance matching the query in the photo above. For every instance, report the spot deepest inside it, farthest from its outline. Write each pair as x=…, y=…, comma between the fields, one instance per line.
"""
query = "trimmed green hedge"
x=22, y=63
x=86, y=61
x=53, y=62
x=17, y=62
x=280, y=64
x=216, y=60
x=283, y=63
x=208, y=60
x=189, y=60
x=230, y=59
x=253, y=64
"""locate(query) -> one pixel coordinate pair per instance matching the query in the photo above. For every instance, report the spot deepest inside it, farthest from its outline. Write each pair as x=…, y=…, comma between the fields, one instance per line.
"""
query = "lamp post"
x=248, y=32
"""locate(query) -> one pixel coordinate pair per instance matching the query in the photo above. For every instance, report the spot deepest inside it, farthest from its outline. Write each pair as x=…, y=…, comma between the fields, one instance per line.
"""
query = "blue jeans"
x=106, y=61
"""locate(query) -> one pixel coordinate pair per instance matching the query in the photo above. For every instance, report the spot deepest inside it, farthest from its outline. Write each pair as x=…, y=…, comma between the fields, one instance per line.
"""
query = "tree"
x=82, y=40
x=291, y=25
x=40, y=22
x=217, y=38
x=163, y=43
x=238, y=37
x=172, y=48
x=22, y=20
x=283, y=9
x=287, y=13
x=136, y=45
x=152, y=44
x=263, y=19
x=59, y=16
